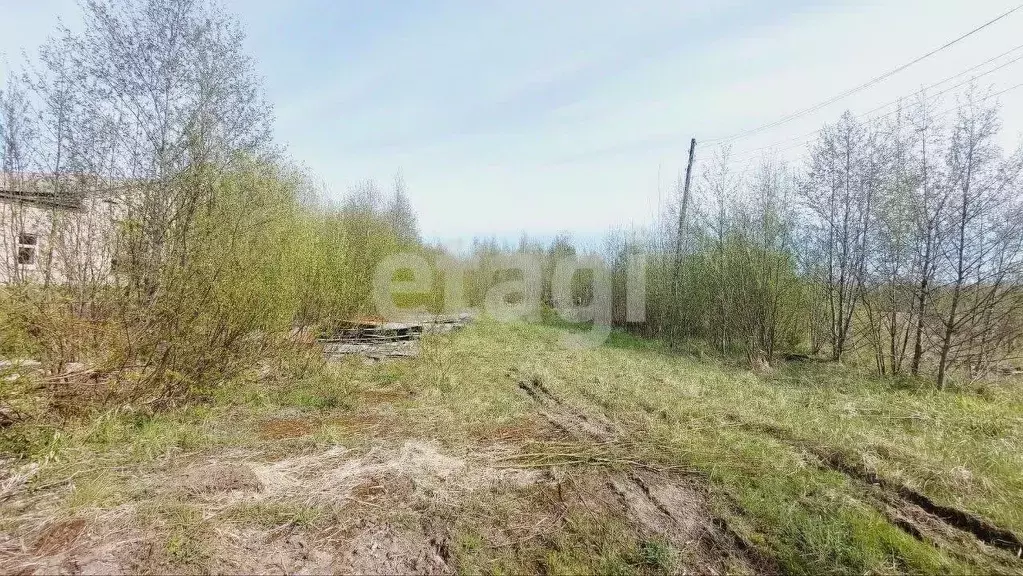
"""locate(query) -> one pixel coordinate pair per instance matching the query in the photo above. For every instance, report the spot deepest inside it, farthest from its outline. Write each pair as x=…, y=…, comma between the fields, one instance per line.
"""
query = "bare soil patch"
x=220, y=477
x=251, y=551
x=677, y=510
x=392, y=550
x=59, y=535
x=280, y=428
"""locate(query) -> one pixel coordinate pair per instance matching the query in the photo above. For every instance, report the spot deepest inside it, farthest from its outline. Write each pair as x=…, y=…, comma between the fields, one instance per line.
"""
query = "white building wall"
x=72, y=245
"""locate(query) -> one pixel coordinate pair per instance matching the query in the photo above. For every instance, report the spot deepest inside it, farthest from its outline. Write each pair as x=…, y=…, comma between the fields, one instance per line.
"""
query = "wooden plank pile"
x=377, y=340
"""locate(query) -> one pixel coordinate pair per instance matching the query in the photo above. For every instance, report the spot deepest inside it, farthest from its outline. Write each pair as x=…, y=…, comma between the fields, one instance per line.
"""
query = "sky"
x=575, y=116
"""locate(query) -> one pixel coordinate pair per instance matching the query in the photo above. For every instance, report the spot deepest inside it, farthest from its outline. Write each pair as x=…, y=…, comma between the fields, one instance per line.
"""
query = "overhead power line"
x=801, y=139
x=747, y=159
x=863, y=86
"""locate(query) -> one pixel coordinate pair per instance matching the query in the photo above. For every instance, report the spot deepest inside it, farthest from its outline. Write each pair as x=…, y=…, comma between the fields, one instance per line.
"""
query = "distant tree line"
x=897, y=243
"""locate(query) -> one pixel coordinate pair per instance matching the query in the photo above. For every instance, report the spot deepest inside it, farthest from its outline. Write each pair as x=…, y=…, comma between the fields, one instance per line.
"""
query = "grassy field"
x=503, y=448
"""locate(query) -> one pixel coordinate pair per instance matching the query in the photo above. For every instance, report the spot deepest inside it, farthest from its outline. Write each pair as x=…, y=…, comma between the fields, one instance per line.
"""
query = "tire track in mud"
x=665, y=503
x=569, y=420
x=678, y=509
x=898, y=496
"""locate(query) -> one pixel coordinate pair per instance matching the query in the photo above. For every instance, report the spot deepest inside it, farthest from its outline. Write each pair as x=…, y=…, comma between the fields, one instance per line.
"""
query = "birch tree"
x=839, y=196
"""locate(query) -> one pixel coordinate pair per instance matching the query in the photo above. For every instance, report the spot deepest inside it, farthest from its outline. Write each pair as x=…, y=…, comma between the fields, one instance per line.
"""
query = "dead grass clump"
x=339, y=475
x=370, y=490
x=49, y=541
x=59, y=535
x=280, y=428
x=365, y=425
x=384, y=396
x=216, y=478
x=519, y=431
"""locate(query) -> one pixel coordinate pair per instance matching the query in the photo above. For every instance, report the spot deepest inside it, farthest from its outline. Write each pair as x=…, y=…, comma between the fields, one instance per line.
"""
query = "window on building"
x=28, y=244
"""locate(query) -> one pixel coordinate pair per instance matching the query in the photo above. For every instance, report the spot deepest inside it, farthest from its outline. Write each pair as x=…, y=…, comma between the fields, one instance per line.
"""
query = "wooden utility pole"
x=677, y=273
x=685, y=192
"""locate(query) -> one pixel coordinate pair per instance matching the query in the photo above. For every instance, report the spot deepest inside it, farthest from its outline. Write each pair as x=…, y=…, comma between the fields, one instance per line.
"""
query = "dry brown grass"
x=279, y=428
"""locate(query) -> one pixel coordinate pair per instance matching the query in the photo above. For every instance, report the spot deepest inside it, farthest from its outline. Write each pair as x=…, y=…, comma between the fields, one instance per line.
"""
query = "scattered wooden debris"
x=377, y=339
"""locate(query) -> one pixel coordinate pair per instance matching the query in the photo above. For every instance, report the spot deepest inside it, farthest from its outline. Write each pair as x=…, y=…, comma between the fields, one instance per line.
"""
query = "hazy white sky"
x=543, y=116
